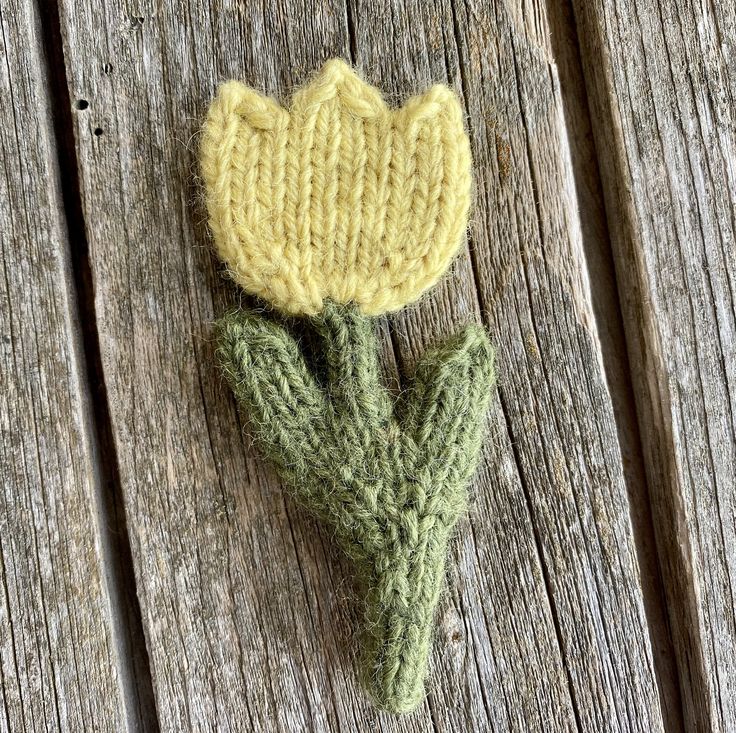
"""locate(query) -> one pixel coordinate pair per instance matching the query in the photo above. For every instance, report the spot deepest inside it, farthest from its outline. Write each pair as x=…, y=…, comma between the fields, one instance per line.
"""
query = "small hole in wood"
x=98, y=131
x=107, y=68
x=82, y=104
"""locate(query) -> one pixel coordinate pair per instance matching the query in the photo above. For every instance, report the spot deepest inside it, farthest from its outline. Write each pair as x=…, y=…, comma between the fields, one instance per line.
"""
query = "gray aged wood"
x=609, y=323
x=527, y=268
x=662, y=86
x=58, y=649
x=247, y=611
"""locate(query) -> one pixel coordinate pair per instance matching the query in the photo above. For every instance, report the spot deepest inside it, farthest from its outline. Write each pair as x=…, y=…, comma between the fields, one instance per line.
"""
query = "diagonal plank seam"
x=667, y=670
x=133, y=667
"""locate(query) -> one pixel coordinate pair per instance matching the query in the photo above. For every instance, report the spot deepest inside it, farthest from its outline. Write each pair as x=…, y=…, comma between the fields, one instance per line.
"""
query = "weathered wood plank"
x=245, y=610
x=247, y=615
x=530, y=274
x=58, y=656
x=662, y=88
x=609, y=324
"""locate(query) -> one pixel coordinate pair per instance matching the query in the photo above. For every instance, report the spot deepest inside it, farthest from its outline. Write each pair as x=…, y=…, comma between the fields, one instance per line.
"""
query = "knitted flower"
x=337, y=210
x=339, y=197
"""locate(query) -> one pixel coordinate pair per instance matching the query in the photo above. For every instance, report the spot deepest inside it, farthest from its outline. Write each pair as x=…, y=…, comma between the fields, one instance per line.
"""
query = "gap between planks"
x=609, y=325
x=132, y=655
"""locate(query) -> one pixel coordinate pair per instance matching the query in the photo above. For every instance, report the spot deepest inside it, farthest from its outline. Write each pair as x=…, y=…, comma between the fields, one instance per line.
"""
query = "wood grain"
x=609, y=324
x=247, y=611
x=528, y=268
x=662, y=86
x=58, y=646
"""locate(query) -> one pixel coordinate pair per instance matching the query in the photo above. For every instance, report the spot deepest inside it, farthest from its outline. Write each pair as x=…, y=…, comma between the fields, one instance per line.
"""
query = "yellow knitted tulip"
x=340, y=209
x=339, y=198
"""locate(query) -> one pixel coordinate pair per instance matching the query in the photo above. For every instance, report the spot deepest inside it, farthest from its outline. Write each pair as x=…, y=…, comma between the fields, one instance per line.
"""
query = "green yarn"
x=389, y=476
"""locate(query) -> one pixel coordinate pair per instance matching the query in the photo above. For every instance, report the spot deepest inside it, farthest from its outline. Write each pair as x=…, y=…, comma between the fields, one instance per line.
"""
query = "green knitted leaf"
x=390, y=478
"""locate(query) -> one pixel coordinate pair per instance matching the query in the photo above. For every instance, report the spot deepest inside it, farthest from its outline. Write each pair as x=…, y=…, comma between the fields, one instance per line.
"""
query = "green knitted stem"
x=400, y=605
x=390, y=478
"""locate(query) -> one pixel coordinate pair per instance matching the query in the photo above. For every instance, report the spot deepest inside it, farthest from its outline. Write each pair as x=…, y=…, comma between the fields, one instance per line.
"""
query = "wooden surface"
x=58, y=639
x=662, y=91
x=155, y=574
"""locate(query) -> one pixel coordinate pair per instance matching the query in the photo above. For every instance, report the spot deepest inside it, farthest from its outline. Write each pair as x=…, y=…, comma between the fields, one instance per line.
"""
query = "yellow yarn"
x=339, y=197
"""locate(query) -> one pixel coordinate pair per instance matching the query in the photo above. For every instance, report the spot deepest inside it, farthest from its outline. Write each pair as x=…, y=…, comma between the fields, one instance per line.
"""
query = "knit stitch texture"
x=339, y=197
x=338, y=210
x=389, y=478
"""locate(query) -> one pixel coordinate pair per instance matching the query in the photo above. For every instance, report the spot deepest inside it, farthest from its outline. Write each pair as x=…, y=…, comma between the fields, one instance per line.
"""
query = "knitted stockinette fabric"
x=338, y=197
x=338, y=210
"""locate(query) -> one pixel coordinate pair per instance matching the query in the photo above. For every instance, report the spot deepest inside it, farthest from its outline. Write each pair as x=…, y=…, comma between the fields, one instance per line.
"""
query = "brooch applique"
x=338, y=210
